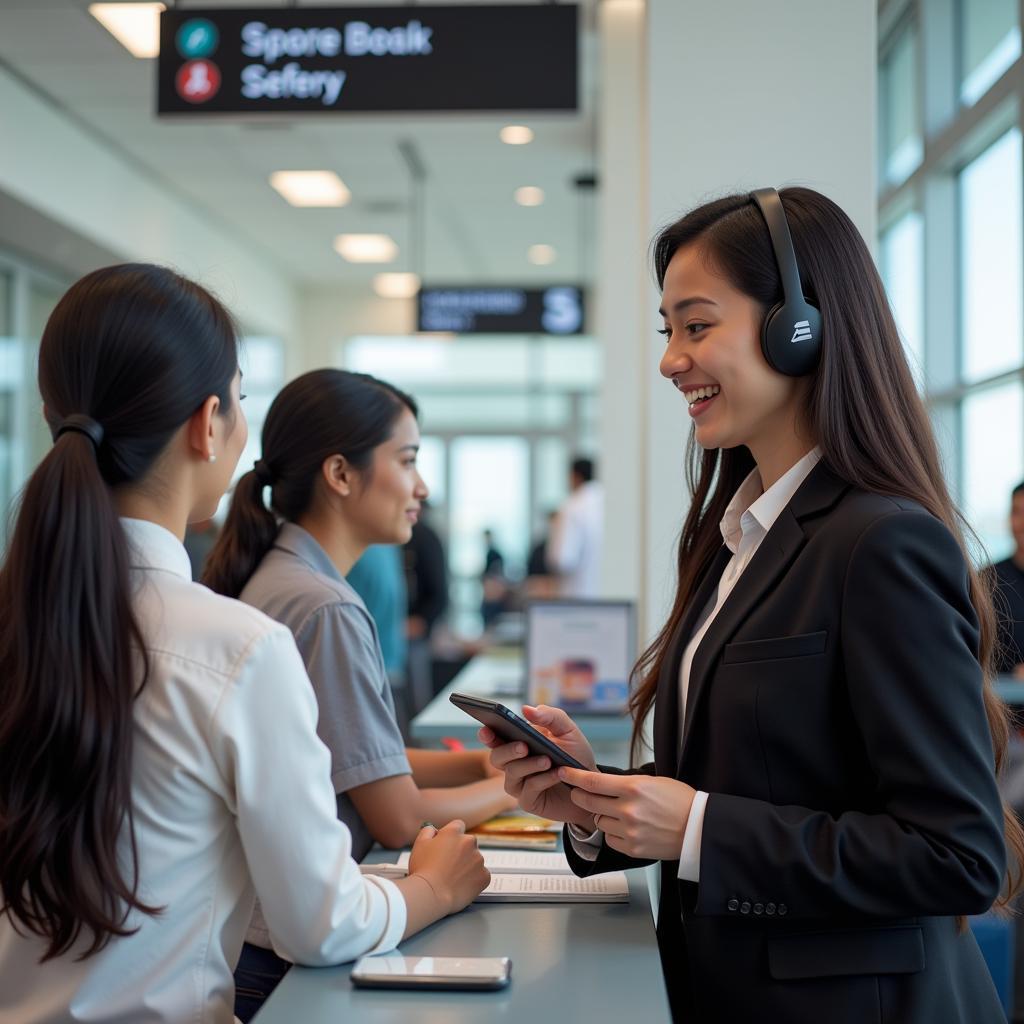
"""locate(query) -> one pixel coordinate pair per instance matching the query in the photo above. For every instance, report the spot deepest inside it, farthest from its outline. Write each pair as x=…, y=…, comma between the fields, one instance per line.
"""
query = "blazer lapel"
x=784, y=540
x=666, y=705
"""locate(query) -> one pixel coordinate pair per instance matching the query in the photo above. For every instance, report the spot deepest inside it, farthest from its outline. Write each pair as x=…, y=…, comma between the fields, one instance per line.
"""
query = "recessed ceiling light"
x=311, y=188
x=529, y=195
x=541, y=255
x=516, y=135
x=396, y=286
x=135, y=26
x=366, y=248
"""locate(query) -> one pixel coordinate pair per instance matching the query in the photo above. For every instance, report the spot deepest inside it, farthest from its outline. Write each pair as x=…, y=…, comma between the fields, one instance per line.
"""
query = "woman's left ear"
x=201, y=429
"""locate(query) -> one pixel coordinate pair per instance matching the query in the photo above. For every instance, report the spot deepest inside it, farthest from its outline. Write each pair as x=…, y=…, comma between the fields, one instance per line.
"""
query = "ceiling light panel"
x=396, y=286
x=541, y=255
x=311, y=188
x=366, y=248
x=515, y=135
x=529, y=195
x=136, y=26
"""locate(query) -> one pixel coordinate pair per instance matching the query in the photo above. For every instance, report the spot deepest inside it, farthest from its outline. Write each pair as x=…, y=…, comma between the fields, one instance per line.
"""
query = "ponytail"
x=128, y=355
x=249, y=533
x=67, y=634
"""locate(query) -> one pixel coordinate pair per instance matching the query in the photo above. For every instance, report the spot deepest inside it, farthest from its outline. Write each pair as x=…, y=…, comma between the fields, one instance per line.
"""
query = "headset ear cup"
x=791, y=339
x=768, y=344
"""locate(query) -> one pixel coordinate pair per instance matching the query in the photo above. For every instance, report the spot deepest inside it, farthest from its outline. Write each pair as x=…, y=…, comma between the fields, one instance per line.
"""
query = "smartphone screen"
x=471, y=972
x=509, y=726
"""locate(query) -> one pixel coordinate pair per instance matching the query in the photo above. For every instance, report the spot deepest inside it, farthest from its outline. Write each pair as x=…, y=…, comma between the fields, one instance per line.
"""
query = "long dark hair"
x=320, y=414
x=862, y=407
x=137, y=349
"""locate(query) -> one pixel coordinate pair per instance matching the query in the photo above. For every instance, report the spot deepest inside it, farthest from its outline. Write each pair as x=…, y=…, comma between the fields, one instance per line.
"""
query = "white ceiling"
x=473, y=230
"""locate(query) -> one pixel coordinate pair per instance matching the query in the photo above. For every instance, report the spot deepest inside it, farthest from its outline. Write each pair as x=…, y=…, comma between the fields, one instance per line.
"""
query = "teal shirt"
x=379, y=579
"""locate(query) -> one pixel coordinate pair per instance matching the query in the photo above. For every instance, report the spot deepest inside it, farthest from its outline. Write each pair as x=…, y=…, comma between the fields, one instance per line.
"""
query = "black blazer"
x=835, y=717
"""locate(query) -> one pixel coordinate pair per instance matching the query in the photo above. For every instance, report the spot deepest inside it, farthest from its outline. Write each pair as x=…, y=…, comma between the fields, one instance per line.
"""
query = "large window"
x=27, y=297
x=991, y=470
x=991, y=260
x=261, y=360
x=989, y=44
x=951, y=248
x=899, y=107
x=901, y=253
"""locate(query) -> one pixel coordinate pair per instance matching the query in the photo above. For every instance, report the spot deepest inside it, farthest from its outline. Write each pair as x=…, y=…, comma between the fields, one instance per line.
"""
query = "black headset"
x=791, y=332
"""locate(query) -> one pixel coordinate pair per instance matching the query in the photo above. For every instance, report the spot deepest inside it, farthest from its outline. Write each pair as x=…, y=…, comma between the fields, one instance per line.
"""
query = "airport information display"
x=329, y=60
x=499, y=310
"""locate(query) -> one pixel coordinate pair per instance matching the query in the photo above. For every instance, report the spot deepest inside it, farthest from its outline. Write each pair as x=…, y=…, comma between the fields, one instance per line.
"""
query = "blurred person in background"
x=378, y=577
x=426, y=578
x=539, y=582
x=199, y=540
x=1009, y=594
x=495, y=589
x=574, y=547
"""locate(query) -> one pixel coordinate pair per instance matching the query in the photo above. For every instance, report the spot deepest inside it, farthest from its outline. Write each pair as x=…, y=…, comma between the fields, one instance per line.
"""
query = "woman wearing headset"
x=822, y=797
x=339, y=461
x=159, y=762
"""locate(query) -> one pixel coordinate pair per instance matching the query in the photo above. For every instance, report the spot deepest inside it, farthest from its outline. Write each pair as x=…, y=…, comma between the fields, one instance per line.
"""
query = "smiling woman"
x=822, y=799
x=339, y=458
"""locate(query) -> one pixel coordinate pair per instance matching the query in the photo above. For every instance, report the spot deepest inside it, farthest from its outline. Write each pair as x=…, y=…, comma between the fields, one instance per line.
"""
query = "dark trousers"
x=257, y=975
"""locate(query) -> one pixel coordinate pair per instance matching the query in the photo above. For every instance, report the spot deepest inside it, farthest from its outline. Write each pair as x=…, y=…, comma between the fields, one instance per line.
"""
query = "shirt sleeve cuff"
x=394, y=927
x=689, y=856
x=586, y=846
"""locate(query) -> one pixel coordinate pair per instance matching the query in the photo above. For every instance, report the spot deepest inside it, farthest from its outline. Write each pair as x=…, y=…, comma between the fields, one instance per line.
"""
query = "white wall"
x=49, y=163
x=738, y=94
x=328, y=316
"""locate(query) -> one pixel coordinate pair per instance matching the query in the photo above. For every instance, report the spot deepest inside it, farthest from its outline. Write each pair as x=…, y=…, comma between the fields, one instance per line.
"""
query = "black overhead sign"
x=319, y=60
x=499, y=310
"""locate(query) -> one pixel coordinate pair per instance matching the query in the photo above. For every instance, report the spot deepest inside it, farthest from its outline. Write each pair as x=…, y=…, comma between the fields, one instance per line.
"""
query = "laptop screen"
x=579, y=654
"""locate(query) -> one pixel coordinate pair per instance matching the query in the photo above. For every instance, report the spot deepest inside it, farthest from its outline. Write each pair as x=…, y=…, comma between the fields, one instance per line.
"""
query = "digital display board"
x=500, y=310
x=328, y=60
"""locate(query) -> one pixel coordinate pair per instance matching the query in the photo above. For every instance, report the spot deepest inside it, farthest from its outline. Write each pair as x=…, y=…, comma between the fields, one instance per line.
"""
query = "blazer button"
x=733, y=905
x=783, y=910
x=745, y=907
x=769, y=909
x=758, y=909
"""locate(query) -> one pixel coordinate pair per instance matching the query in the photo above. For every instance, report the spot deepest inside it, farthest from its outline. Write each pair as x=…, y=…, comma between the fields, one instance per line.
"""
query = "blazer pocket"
x=890, y=950
x=775, y=647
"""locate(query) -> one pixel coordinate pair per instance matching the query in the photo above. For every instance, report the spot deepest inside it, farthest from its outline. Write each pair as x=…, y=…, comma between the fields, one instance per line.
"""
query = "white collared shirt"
x=232, y=796
x=745, y=524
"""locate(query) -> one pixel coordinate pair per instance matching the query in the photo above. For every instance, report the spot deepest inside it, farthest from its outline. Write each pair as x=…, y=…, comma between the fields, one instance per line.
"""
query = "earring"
x=211, y=457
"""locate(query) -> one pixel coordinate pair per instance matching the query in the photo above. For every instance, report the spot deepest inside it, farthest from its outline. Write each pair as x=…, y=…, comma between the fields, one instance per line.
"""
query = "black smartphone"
x=509, y=726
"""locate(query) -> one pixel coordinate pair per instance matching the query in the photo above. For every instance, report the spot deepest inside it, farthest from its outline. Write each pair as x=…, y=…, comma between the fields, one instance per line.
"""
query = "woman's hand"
x=531, y=780
x=451, y=864
x=642, y=816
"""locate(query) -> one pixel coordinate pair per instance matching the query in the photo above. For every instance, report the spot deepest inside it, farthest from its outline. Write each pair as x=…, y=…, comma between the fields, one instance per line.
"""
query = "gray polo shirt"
x=297, y=584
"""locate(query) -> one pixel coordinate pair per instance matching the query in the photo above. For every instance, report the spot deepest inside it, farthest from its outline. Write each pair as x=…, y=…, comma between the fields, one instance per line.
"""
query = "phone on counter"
x=477, y=973
x=511, y=727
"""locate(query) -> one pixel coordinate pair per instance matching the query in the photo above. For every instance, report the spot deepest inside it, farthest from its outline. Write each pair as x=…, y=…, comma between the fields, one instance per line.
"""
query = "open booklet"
x=530, y=877
x=518, y=862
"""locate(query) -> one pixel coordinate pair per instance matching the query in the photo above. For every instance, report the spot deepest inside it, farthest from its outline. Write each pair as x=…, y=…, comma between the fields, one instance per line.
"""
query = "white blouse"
x=232, y=796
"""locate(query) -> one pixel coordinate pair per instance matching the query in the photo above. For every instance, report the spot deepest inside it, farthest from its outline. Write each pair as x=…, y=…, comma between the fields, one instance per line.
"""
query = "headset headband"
x=770, y=205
